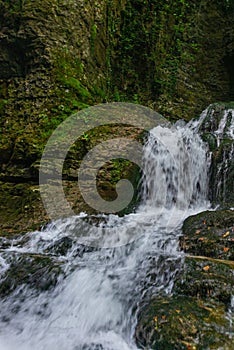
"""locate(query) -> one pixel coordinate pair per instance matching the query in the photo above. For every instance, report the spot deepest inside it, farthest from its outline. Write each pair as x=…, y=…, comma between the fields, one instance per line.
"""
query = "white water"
x=95, y=306
x=222, y=125
x=225, y=130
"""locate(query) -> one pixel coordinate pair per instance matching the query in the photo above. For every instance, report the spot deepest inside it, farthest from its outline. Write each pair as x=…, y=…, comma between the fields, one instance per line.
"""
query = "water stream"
x=94, y=305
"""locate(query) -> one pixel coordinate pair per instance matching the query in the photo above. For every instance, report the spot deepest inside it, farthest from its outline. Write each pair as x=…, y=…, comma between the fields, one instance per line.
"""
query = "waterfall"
x=175, y=168
x=95, y=302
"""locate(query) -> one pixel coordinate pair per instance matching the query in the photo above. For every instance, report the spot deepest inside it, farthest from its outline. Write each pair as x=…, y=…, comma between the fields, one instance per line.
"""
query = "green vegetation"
x=93, y=37
x=152, y=46
x=173, y=56
x=154, y=53
x=179, y=323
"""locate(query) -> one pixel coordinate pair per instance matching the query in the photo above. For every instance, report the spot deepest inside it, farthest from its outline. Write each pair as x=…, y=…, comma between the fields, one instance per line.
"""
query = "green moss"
x=230, y=105
x=15, y=199
x=93, y=36
x=211, y=140
x=179, y=323
x=156, y=67
x=29, y=269
x=3, y=102
x=206, y=279
x=112, y=171
x=205, y=234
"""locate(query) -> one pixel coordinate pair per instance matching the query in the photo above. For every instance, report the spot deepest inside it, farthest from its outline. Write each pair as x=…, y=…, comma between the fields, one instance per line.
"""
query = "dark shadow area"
x=13, y=59
x=229, y=65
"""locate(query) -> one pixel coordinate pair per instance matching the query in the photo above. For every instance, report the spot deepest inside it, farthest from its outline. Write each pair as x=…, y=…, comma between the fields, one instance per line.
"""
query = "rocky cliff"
x=176, y=56
x=60, y=56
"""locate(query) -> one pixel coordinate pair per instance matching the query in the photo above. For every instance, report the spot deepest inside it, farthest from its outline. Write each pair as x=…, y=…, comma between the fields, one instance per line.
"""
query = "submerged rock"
x=38, y=272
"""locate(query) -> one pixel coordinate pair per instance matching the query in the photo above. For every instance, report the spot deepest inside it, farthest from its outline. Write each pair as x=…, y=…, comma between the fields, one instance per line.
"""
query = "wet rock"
x=198, y=314
x=38, y=272
x=60, y=247
x=222, y=175
x=91, y=347
x=206, y=278
x=210, y=234
x=217, y=130
x=182, y=323
x=65, y=244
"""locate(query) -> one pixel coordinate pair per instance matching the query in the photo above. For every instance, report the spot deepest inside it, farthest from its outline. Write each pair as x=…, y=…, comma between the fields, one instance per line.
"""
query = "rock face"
x=57, y=57
x=176, y=55
x=217, y=129
x=52, y=63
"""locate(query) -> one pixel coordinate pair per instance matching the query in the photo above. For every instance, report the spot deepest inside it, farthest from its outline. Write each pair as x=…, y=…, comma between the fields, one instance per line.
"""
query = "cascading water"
x=95, y=302
x=217, y=127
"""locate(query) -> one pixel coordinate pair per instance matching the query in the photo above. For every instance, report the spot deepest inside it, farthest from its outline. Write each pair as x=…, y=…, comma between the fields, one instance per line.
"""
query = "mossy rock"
x=21, y=208
x=198, y=314
x=222, y=174
x=182, y=323
x=62, y=246
x=210, y=139
x=206, y=278
x=210, y=234
x=215, y=130
x=38, y=272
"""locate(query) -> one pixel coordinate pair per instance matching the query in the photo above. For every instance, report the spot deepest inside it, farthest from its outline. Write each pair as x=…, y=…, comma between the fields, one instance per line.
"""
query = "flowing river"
x=95, y=303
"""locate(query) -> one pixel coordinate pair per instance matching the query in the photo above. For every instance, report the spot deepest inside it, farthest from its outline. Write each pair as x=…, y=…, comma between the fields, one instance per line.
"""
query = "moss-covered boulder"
x=206, y=278
x=197, y=315
x=210, y=234
x=184, y=323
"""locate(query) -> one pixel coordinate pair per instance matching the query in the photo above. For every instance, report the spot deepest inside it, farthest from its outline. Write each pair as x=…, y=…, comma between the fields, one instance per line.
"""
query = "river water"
x=95, y=303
